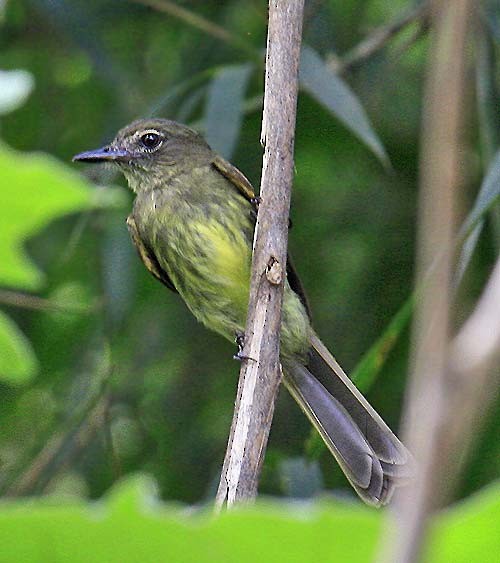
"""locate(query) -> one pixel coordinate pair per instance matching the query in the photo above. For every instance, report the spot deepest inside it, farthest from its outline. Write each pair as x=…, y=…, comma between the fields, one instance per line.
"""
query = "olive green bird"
x=192, y=223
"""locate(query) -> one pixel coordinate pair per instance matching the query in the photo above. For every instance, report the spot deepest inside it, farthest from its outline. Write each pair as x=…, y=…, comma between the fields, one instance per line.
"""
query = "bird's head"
x=149, y=151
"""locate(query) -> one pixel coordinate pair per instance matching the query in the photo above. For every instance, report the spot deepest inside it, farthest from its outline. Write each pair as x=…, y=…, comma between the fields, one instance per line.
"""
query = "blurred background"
x=103, y=371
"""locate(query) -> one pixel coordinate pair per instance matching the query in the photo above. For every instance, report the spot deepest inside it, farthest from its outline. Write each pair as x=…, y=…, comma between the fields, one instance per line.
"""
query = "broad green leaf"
x=224, y=109
x=132, y=525
x=18, y=364
x=15, y=87
x=36, y=189
x=330, y=90
x=470, y=531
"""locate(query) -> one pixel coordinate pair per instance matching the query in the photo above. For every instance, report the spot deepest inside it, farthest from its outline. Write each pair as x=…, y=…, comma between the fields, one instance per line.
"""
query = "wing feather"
x=147, y=255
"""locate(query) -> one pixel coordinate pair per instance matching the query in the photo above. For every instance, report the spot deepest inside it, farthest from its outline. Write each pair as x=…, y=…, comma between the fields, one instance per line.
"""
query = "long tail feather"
x=371, y=456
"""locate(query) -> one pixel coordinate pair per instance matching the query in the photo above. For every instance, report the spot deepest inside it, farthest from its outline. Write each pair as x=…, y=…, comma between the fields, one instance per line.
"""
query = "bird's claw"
x=255, y=201
x=240, y=342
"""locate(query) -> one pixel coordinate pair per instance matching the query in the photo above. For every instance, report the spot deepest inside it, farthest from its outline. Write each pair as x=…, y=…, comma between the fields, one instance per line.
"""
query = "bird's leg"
x=240, y=342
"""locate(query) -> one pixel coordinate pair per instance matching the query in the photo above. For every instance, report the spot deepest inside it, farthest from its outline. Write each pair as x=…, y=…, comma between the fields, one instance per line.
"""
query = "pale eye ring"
x=151, y=140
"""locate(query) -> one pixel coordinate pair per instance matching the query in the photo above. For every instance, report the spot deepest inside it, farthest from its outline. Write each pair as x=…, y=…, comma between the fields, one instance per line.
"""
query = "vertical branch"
x=260, y=374
x=472, y=377
x=441, y=178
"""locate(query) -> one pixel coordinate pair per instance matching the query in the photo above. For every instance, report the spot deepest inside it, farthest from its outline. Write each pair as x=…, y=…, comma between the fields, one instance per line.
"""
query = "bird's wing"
x=147, y=256
x=237, y=178
x=295, y=283
x=243, y=185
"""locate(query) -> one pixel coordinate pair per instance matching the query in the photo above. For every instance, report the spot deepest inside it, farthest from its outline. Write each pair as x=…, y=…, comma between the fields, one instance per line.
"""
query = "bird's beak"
x=104, y=154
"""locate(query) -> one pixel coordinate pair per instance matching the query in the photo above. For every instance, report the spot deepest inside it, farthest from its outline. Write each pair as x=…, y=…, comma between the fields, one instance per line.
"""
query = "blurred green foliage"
x=99, y=328
x=131, y=525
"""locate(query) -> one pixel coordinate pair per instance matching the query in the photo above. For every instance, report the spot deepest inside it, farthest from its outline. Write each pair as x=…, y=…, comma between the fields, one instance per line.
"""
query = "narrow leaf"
x=331, y=91
x=371, y=363
x=486, y=198
x=466, y=252
x=224, y=109
x=474, y=223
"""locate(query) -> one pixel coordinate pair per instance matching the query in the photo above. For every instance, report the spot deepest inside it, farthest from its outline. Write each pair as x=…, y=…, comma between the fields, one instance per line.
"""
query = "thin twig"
x=431, y=383
x=260, y=375
x=65, y=444
x=36, y=303
x=25, y=301
x=59, y=452
x=378, y=39
x=199, y=22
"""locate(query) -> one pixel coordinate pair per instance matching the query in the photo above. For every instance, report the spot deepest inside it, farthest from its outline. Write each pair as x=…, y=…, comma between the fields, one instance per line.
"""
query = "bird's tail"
x=370, y=455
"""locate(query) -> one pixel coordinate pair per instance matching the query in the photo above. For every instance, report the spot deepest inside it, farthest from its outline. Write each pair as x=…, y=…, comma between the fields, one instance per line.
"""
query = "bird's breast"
x=206, y=251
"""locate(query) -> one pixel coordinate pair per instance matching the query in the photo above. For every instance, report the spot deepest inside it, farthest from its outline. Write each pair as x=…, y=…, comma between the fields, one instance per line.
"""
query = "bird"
x=192, y=223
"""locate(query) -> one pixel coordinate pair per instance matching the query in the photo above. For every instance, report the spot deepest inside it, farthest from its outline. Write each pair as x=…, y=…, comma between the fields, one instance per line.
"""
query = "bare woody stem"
x=429, y=417
x=260, y=376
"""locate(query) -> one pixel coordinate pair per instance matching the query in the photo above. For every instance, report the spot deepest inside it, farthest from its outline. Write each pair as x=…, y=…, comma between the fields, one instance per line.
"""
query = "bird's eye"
x=151, y=140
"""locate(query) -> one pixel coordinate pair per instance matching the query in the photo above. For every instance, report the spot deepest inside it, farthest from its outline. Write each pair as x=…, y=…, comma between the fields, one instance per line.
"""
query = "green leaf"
x=474, y=223
x=15, y=87
x=18, y=364
x=487, y=94
x=486, y=198
x=35, y=190
x=371, y=363
x=491, y=16
x=224, y=109
x=133, y=525
x=469, y=532
x=466, y=252
x=326, y=87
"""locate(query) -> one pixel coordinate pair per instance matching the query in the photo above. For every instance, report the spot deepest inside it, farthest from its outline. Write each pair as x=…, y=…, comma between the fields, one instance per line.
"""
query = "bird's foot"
x=255, y=201
x=240, y=342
